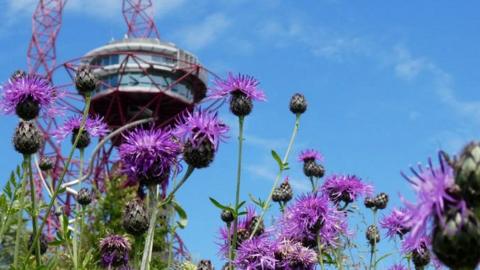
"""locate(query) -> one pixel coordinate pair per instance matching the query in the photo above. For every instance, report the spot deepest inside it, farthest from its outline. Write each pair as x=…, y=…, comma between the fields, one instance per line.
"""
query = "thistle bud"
x=242, y=235
x=283, y=193
x=240, y=104
x=83, y=140
x=298, y=104
x=380, y=201
x=46, y=163
x=205, y=265
x=84, y=197
x=369, y=202
x=27, y=109
x=43, y=243
x=312, y=169
x=373, y=235
x=135, y=219
x=227, y=216
x=456, y=241
x=253, y=224
x=85, y=80
x=199, y=156
x=18, y=74
x=27, y=138
x=421, y=256
x=467, y=173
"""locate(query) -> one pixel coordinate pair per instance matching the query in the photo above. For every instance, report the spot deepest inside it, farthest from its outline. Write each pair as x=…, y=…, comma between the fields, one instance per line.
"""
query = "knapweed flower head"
x=114, y=250
x=198, y=126
x=256, y=253
x=346, y=188
x=433, y=186
x=310, y=155
x=395, y=223
x=245, y=84
x=292, y=255
x=304, y=219
x=334, y=227
x=148, y=154
x=27, y=94
x=95, y=126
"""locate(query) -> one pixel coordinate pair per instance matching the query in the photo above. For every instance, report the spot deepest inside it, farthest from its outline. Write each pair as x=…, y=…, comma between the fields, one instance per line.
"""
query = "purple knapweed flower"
x=397, y=267
x=256, y=254
x=94, y=126
x=29, y=88
x=199, y=126
x=345, y=188
x=114, y=251
x=148, y=155
x=244, y=228
x=395, y=223
x=304, y=219
x=292, y=255
x=245, y=84
x=432, y=185
x=334, y=227
x=310, y=155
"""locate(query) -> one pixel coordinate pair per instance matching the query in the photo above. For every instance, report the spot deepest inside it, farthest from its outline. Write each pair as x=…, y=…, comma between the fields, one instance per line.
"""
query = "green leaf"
x=182, y=223
x=278, y=160
x=258, y=201
x=381, y=258
x=219, y=205
x=240, y=205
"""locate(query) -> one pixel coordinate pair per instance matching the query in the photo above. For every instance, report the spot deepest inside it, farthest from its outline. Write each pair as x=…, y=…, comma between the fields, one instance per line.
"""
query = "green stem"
x=320, y=253
x=279, y=174
x=314, y=186
x=373, y=250
x=154, y=206
x=77, y=242
x=237, y=191
x=35, y=244
x=58, y=188
x=20, y=216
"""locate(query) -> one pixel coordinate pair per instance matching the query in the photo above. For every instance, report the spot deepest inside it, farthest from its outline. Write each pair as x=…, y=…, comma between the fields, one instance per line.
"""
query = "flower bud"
x=85, y=80
x=380, y=201
x=227, y=216
x=373, y=235
x=27, y=109
x=84, y=197
x=312, y=169
x=27, y=139
x=467, y=173
x=421, y=256
x=205, y=265
x=369, y=202
x=199, y=156
x=135, y=219
x=83, y=140
x=46, y=163
x=240, y=104
x=298, y=104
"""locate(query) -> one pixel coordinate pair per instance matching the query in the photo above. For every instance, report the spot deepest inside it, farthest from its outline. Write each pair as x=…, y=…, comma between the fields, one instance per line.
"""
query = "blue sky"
x=388, y=82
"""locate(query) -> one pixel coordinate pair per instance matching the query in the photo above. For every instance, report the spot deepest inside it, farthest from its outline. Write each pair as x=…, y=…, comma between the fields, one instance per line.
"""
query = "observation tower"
x=144, y=77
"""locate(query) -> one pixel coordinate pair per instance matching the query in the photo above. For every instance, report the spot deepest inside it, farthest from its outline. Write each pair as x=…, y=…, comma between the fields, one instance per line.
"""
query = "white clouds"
x=406, y=66
x=267, y=172
x=199, y=35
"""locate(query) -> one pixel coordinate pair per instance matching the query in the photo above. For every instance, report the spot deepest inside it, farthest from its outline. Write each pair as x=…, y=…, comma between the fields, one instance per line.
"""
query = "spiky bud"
x=369, y=202
x=154, y=180
x=283, y=193
x=421, y=256
x=18, y=74
x=312, y=169
x=227, y=216
x=298, y=104
x=83, y=140
x=27, y=109
x=199, y=156
x=242, y=235
x=240, y=104
x=27, y=138
x=46, y=163
x=84, y=197
x=373, y=235
x=467, y=173
x=85, y=80
x=205, y=265
x=43, y=243
x=456, y=241
x=135, y=218
x=380, y=201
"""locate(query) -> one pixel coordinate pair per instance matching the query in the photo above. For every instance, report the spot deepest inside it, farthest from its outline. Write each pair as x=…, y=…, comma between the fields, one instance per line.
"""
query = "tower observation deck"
x=144, y=77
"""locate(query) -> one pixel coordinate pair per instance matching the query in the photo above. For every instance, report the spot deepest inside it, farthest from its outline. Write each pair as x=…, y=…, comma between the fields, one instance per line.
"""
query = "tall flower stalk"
x=19, y=232
x=237, y=189
x=282, y=167
x=35, y=244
